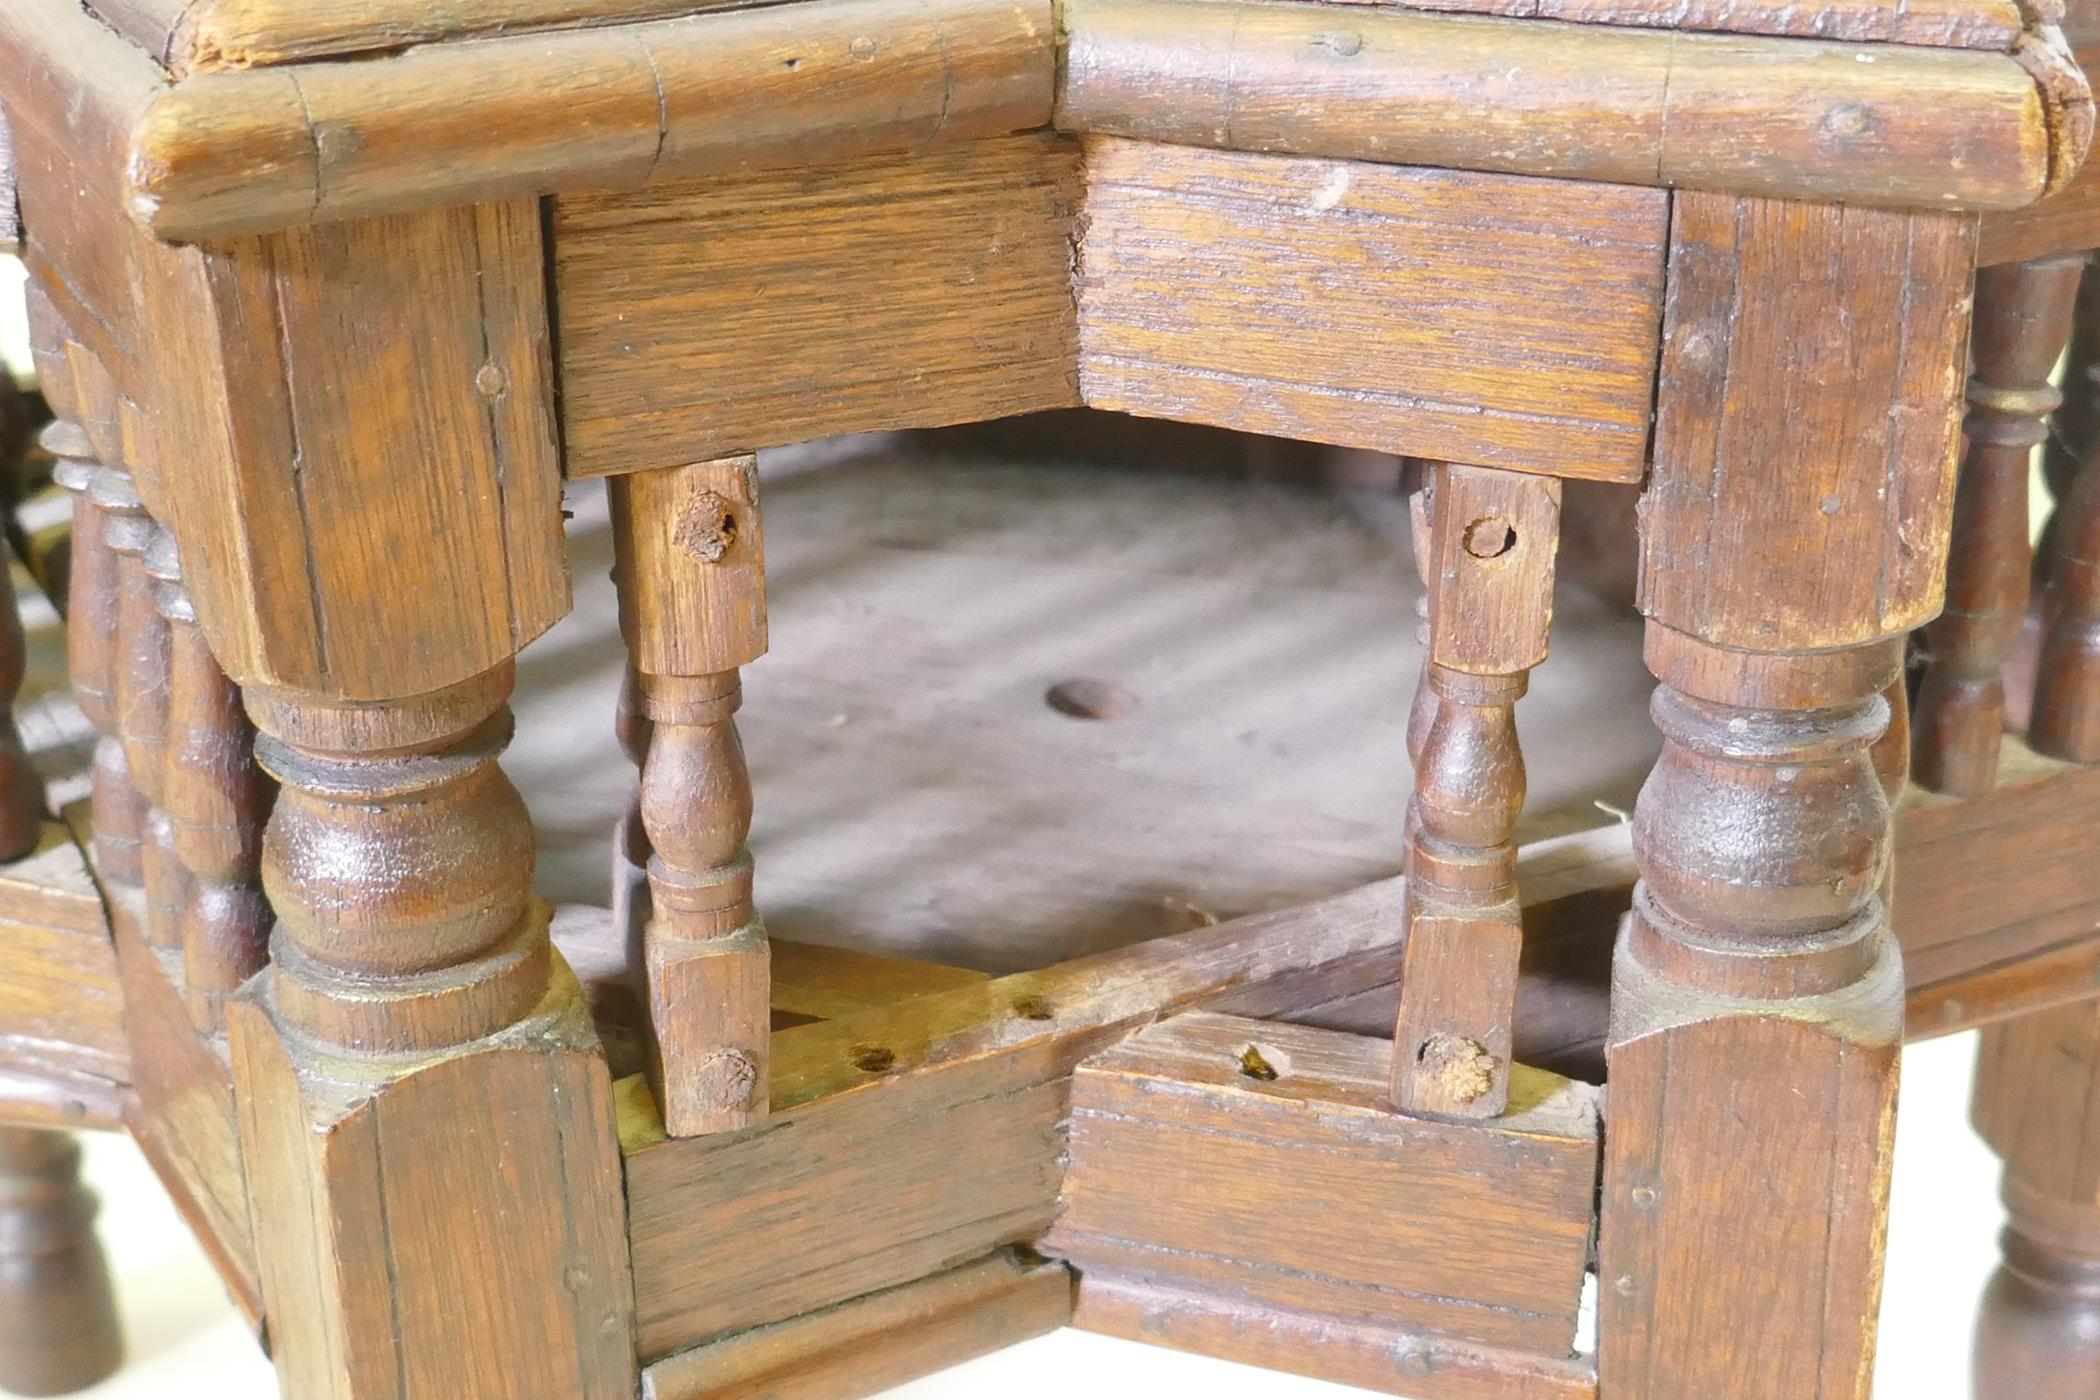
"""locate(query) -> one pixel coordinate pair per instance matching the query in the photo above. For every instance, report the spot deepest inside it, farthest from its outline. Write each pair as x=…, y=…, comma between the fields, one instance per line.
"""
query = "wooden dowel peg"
x=691, y=573
x=1492, y=538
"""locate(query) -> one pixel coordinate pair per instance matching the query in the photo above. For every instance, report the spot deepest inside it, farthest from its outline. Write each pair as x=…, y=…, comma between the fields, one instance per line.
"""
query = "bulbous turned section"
x=1763, y=824
x=398, y=859
x=2038, y=1333
x=58, y=1318
x=1469, y=789
x=94, y=596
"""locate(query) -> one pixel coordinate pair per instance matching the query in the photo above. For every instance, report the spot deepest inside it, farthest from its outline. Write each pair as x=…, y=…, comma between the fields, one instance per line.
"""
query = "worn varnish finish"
x=1212, y=290
x=775, y=87
x=1491, y=537
x=215, y=799
x=1759, y=936
x=415, y=1029
x=221, y=34
x=877, y=1341
x=968, y=1088
x=691, y=571
x=965, y=253
x=64, y=1056
x=2037, y=1103
x=1744, y=115
x=1289, y=1194
x=2023, y=316
x=58, y=1315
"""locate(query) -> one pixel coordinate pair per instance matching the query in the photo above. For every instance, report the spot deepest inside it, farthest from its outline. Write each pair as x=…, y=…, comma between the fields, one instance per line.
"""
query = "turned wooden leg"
x=691, y=572
x=1492, y=541
x=425, y=1114
x=2066, y=719
x=2023, y=316
x=1792, y=534
x=21, y=791
x=58, y=1318
x=93, y=600
x=2038, y=1103
x=214, y=799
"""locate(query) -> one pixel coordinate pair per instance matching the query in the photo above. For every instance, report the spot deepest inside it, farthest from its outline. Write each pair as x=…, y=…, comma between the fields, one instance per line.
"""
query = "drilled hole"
x=1033, y=1008
x=1089, y=697
x=1255, y=1065
x=874, y=1059
x=1490, y=538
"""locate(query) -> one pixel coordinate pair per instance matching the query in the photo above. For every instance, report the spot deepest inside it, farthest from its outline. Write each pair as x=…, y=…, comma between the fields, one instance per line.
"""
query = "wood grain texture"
x=736, y=90
x=183, y=1114
x=874, y=1342
x=362, y=1191
x=969, y=1088
x=679, y=306
x=1855, y=549
x=2038, y=1104
x=375, y=508
x=1358, y=1354
x=219, y=34
x=1492, y=538
x=1807, y=413
x=1260, y=1162
x=1313, y=299
x=690, y=552
x=63, y=1052
x=1931, y=128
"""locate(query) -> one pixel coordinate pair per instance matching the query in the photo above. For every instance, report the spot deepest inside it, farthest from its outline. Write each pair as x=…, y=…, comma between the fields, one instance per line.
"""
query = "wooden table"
x=332, y=300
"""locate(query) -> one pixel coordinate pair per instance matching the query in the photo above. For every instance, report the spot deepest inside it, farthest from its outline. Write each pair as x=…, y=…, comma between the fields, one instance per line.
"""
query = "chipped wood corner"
x=2066, y=98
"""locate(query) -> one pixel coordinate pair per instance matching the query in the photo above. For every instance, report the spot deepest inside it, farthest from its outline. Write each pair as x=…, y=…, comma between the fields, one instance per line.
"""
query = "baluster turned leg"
x=93, y=595
x=2074, y=429
x=2038, y=1104
x=2066, y=718
x=215, y=800
x=1792, y=534
x=58, y=1317
x=2023, y=317
x=692, y=605
x=1492, y=540
x=21, y=790
x=142, y=703
x=630, y=848
x=414, y=1036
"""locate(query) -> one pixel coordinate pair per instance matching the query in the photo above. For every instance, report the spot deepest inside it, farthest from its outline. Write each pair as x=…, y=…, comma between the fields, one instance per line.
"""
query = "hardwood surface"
x=1260, y=1163
x=874, y=1342
x=219, y=34
x=774, y=87
x=1209, y=291
x=1744, y=115
x=1778, y=596
x=967, y=252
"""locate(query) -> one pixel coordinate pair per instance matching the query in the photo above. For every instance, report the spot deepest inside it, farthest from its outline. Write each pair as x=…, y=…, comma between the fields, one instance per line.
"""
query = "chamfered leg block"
x=425, y=1112
x=1793, y=531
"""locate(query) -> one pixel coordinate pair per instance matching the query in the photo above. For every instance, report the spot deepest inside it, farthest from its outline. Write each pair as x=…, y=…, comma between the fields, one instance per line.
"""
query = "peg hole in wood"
x=1458, y=1065
x=1034, y=1008
x=1087, y=697
x=791, y=64
x=1257, y=1063
x=1490, y=537
x=874, y=1059
x=707, y=527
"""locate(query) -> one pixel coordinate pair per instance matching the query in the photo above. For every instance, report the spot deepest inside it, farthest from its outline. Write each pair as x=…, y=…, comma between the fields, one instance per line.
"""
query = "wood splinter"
x=691, y=574
x=1491, y=540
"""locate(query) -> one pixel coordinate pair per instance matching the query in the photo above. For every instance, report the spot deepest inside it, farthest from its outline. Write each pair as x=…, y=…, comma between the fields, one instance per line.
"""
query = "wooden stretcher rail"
x=256, y=150
x=1888, y=125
